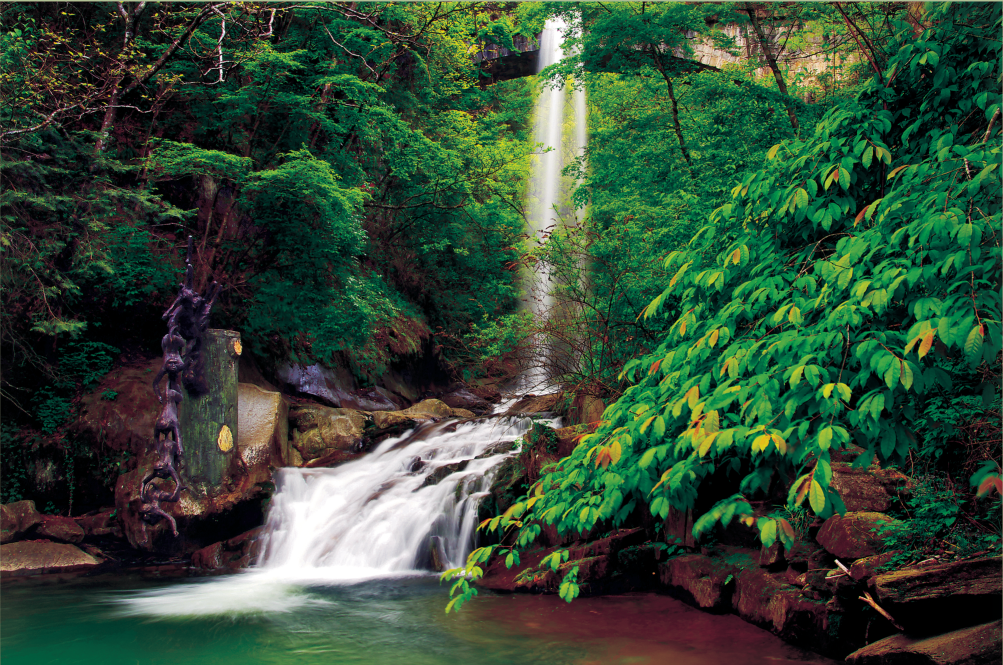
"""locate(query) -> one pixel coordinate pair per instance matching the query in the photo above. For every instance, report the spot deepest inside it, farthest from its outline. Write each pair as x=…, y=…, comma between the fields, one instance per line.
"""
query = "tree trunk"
x=209, y=423
x=771, y=60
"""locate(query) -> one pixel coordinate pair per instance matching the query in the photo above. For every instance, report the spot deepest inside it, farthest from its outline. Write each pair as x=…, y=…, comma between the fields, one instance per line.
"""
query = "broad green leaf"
x=816, y=497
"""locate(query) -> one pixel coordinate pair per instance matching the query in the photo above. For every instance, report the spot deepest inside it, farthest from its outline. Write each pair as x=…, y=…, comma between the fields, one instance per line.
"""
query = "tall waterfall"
x=561, y=133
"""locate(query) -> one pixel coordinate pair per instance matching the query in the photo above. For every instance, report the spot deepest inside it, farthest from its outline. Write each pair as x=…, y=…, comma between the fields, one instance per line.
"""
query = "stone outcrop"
x=100, y=523
x=871, y=489
x=16, y=519
x=30, y=557
x=321, y=432
x=709, y=581
x=930, y=599
x=853, y=535
x=976, y=645
x=464, y=398
x=64, y=529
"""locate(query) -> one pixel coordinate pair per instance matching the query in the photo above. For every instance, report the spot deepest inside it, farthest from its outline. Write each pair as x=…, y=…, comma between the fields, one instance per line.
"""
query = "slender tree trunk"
x=771, y=60
x=675, y=110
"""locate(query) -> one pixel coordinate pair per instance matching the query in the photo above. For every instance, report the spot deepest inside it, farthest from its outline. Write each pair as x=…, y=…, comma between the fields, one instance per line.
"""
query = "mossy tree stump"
x=209, y=423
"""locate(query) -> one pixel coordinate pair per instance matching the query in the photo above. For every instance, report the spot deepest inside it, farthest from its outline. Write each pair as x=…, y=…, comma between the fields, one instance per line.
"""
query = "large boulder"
x=321, y=432
x=464, y=398
x=16, y=519
x=119, y=414
x=31, y=557
x=853, y=535
x=64, y=529
x=870, y=489
x=262, y=430
x=100, y=523
x=978, y=645
x=935, y=598
x=330, y=386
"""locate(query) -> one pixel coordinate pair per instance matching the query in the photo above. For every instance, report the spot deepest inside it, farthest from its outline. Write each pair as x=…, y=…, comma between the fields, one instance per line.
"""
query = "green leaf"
x=816, y=497
x=825, y=438
x=973, y=345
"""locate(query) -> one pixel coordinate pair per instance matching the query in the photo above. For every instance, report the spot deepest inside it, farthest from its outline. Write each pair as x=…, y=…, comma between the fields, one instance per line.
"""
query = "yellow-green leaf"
x=816, y=497
x=924, y=348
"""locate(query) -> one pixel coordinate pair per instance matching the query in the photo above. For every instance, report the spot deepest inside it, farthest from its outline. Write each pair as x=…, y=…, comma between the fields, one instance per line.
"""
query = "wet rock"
x=437, y=554
x=262, y=430
x=318, y=431
x=124, y=423
x=534, y=404
x=64, y=529
x=385, y=420
x=331, y=386
x=372, y=399
x=100, y=523
x=237, y=553
x=442, y=472
x=464, y=398
x=977, y=645
x=16, y=519
x=853, y=535
x=415, y=465
x=767, y=601
x=31, y=557
x=430, y=407
x=708, y=580
x=499, y=448
x=931, y=599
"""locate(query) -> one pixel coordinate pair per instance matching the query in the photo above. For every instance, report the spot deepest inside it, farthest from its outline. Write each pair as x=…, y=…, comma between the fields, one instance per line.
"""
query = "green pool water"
x=120, y=619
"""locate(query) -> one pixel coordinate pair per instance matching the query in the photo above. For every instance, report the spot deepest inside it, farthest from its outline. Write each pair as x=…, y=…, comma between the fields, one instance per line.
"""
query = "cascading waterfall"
x=411, y=504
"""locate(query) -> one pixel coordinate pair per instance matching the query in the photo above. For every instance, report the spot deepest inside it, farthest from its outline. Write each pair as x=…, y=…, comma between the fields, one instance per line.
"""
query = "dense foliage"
x=344, y=175
x=844, y=287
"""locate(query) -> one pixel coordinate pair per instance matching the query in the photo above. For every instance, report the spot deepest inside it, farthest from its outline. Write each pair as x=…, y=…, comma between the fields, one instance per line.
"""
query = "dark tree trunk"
x=771, y=60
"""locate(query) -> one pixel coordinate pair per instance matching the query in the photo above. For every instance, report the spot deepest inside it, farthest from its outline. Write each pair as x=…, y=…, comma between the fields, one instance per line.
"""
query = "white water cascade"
x=561, y=133
x=410, y=505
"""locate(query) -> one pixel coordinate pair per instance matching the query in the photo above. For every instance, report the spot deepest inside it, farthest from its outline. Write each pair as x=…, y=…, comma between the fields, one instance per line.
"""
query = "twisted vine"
x=187, y=320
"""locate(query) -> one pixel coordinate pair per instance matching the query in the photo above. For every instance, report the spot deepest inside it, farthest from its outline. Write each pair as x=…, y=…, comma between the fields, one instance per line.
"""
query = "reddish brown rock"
x=31, y=557
x=126, y=421
x=866, y=568
x=853, y=535
x=16, y=519
x=708, y=580
x=931, y=599
x=767, y=601
x=100, y=523
x=464, y=398
x=533, y=404
x=236, y=553
x=64, y=529
x=978, y=645
x=871, y=489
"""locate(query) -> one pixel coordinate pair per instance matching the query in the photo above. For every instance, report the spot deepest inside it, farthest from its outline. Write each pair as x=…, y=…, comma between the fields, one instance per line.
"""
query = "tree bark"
x=771, y=60
x=209, y=423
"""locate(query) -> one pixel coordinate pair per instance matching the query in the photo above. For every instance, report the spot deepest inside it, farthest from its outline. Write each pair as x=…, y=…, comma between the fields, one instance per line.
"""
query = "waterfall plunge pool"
x=247, y=618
